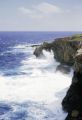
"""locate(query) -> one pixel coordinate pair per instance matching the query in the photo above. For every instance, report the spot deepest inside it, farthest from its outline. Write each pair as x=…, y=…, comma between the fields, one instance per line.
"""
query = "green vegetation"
x=77, y=37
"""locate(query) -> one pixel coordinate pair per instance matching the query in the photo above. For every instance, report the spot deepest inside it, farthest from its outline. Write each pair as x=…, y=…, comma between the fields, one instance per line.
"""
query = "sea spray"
x=40, y=83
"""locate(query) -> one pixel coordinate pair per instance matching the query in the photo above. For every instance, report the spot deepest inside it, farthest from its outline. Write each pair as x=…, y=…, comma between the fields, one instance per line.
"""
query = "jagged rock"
x=63, y=68
x=73, y=98
x=38, y=51
x=78, y=61
x=64, y=49
x=45, y=46
x=68, y=51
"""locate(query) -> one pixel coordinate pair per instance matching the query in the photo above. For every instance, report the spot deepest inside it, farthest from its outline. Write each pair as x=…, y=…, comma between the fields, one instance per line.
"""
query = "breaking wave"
x=37, y=92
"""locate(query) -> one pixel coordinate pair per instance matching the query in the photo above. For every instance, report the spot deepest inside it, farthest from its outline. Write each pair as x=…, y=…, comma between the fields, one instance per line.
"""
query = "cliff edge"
x=68, y=51
x=64, y=49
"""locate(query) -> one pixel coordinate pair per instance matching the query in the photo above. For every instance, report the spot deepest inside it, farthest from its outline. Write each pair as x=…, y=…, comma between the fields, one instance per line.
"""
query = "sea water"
x=30, y=87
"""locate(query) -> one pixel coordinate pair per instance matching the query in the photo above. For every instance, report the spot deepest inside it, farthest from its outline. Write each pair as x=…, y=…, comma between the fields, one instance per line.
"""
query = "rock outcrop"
x=64, y=49
x=72, y=103
x=63, y=68
x=78, y=61
x=68, y=51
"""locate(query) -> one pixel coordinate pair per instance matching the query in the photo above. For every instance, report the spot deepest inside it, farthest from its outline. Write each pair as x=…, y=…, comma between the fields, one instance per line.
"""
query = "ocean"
x=30, y=87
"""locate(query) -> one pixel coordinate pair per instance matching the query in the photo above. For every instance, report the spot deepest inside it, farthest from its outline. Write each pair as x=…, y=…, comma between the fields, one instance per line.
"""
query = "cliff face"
x=68, y=51
x=72, y=103
x=64, y=49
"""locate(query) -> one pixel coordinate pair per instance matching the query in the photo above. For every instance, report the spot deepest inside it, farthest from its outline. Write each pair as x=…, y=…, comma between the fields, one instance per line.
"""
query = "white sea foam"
x=40, y=84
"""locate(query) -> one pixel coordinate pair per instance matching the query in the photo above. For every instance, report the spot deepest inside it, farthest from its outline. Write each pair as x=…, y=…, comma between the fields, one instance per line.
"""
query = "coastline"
x=65, y=51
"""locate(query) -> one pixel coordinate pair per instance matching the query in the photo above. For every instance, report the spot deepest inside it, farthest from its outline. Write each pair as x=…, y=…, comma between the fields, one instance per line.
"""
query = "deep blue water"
x=8, y=40
x=11, y=55
x=13, y=38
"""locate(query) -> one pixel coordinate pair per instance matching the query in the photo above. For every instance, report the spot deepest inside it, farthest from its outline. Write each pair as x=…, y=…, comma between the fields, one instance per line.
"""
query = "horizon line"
x=39, y=31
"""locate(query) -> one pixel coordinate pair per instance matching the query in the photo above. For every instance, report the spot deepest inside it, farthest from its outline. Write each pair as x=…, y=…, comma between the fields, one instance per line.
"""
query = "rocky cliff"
x=72, y=103
x=64, y=49
x=68, y=51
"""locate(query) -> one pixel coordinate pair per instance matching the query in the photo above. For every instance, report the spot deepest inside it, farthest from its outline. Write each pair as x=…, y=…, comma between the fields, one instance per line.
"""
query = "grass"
x=77, y=37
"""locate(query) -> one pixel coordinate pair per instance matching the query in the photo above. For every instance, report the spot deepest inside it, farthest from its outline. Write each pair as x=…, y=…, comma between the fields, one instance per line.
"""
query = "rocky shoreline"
x=68, y=51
